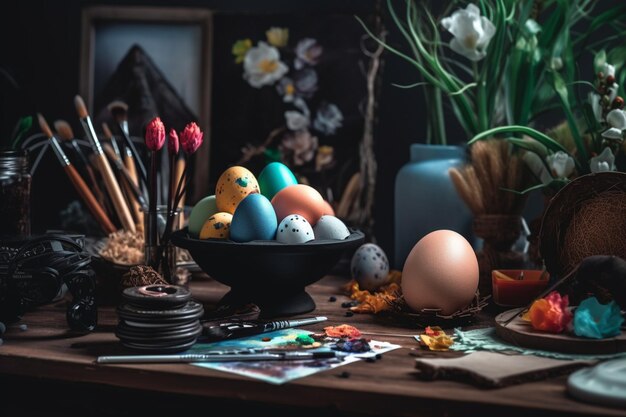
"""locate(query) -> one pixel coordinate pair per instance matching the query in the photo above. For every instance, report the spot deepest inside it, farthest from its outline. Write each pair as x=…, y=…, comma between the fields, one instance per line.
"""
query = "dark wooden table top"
x=46, y=351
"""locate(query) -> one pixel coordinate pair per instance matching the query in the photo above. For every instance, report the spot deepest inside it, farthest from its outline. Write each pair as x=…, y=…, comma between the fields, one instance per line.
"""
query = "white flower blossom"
x=262, y=65
x=308, y=52
x=561, y=164
x=328, y=119
x=603, y=162
x=296, y=120
x=472, y=32
x=608, y=69
x=616, y=119
x=596, y=105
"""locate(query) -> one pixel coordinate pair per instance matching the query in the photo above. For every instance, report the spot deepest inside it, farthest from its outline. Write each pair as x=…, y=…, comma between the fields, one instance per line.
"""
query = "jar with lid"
x=15, y=183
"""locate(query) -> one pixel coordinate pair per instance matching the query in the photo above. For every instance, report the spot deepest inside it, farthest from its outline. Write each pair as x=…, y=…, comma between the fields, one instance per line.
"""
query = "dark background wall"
x=40, y=49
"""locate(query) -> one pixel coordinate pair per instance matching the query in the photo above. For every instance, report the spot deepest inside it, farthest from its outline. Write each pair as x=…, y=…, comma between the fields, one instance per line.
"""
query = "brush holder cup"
x=267, y=273
x=162, y=255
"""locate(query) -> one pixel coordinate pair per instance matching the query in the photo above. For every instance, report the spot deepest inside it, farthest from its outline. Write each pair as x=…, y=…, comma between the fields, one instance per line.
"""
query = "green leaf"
x=542, y=138
x=23, y=125
x=530, y=145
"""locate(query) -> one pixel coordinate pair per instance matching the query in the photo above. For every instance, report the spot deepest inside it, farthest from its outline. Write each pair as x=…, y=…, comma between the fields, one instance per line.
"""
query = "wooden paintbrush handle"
x=114, y=190
x=132, y=172
x=89, y=199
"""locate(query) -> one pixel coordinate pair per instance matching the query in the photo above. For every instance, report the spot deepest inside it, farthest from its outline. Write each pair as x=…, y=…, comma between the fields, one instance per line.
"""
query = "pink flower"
x=173, y=143
x=191, y=138
x=155, y=134
x=551, y=314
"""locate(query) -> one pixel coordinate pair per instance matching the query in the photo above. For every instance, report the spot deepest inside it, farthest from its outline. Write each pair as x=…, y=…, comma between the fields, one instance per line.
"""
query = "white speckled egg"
x=294, y=229
x=330, y=227
x=370, y=267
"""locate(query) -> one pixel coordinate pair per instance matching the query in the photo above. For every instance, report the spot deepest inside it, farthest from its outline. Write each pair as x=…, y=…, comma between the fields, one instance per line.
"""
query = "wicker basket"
x=586, y=217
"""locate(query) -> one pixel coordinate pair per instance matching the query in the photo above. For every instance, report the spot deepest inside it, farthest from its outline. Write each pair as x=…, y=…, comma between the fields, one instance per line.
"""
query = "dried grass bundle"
x=483, y=185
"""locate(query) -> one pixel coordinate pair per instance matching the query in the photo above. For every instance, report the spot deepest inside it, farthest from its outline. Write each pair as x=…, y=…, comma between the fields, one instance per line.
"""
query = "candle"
x=517, y=287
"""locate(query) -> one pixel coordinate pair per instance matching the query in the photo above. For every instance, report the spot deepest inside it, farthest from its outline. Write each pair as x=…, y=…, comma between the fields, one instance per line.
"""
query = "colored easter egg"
x=299, y=199
x=369, y=266
x=235, y=184
x=330, y=227
x=254, y=219
x=217, y=226
x=294, y=229
x=274, y=177
x=203, y=209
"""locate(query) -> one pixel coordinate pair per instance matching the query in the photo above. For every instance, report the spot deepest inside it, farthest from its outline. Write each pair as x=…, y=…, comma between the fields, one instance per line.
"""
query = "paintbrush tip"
x=63, y=129
x=118, y=109
x=44, y=125
x=80, y=107
x=107, y=132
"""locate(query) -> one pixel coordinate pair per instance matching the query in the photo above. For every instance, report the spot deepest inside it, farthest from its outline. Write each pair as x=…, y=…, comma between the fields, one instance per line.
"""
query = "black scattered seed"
x=332, y=299
x=344, y=374
x=379, y=356
x=370, y=360
x=349, y=314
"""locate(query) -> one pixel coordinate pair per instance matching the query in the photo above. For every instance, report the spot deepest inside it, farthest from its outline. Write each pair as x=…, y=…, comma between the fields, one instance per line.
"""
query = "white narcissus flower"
x=262, y=65
x=308, y=52
x=472, y=32
x=617, y=122
x=561, y=164
x=603, y=162
x=608, y=69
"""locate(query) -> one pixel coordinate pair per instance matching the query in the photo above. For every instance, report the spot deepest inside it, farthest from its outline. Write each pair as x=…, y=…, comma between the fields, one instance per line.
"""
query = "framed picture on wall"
x=155, y=59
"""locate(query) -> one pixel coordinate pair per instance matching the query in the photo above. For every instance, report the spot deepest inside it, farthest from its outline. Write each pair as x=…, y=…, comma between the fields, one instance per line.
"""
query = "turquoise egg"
x=275, y=177
x=254, y=219
x=200, y=213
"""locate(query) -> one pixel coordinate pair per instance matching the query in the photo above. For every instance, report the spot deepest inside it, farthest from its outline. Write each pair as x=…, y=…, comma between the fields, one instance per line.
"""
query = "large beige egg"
x=441, y=272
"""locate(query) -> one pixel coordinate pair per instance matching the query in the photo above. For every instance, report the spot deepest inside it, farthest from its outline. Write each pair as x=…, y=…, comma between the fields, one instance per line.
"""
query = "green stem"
x=483, y=117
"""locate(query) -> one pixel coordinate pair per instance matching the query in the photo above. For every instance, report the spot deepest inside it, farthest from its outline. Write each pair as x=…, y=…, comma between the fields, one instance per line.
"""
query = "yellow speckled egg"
x=217, y=226
x=235, y=184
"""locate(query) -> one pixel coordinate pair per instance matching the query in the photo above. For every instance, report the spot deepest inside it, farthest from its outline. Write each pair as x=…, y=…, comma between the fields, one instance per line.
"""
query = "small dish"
x=517, y=287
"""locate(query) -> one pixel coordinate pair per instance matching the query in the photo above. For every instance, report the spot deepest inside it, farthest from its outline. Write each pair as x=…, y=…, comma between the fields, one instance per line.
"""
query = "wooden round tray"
x=520, y=333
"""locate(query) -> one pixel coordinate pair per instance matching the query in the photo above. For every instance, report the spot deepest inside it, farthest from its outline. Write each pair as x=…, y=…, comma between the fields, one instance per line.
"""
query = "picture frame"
x=177, y=40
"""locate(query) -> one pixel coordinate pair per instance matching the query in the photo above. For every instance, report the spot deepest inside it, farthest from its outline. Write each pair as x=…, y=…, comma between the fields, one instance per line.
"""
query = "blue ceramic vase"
x=426, y=200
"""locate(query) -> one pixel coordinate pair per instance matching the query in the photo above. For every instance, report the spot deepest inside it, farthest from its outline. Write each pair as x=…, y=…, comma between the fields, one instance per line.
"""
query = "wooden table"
x=56, y=373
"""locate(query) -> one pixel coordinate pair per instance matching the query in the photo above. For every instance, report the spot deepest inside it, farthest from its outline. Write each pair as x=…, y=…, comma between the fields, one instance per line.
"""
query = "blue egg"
x=254, y=219
x=275, y=177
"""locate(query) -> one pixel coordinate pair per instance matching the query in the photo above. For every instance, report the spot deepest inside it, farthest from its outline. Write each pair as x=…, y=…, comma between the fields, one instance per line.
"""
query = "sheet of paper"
x=279, y=372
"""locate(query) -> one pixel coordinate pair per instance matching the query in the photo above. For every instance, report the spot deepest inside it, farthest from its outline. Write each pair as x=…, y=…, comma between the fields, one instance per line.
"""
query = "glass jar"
x=15, y=182
x=163, y=256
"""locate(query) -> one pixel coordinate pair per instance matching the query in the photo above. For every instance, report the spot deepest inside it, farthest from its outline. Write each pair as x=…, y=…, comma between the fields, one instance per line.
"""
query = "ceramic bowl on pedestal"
x=268, y=273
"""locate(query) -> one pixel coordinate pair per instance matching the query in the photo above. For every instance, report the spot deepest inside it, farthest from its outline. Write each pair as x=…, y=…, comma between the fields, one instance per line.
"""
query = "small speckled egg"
x=217, y=226
x=235, y=184
x=294, y=229
x=203, y=209
x=369, y=267
x=330, y=227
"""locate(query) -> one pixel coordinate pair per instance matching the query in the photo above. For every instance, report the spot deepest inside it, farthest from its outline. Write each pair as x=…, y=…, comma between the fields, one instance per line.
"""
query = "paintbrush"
x=66, y=133
x=128, y=181
x=113, y=188
x=77, y=181
x=119, y=111
x=540, y=296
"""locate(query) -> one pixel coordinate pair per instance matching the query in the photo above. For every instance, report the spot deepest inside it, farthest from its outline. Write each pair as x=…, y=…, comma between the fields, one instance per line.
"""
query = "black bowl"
x=268, y=273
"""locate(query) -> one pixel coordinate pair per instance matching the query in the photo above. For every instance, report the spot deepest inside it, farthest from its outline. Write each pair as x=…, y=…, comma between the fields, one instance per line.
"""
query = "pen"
x=208, y=357
x=235, y=329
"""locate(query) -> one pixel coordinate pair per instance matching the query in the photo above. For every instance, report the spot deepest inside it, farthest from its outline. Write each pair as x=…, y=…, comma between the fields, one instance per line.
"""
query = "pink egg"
x=441, y=272
x=299, y=199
